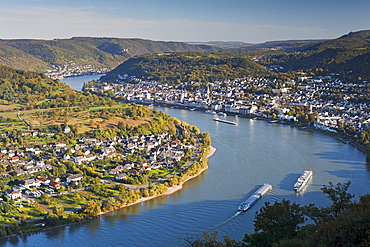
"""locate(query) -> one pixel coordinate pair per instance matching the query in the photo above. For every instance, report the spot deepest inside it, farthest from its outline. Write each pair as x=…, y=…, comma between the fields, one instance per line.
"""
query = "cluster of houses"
x=158, y=150
x=71, y=69
x=257, y=97
x=32, y=186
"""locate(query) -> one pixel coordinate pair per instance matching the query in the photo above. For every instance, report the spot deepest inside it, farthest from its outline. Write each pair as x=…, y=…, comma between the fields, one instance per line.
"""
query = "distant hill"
x=40, y=55
x=188, y=66
x=347, y=55
x=364, y=34
x=222, y=44
x=282, y=45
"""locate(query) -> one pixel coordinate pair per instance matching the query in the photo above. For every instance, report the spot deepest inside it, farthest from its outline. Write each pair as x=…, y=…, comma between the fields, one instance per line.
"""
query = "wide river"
x=248, y=155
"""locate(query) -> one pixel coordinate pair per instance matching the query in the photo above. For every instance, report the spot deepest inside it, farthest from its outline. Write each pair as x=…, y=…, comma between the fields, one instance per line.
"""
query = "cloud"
x=37, y=22
x=67, y=21
x=42, y=22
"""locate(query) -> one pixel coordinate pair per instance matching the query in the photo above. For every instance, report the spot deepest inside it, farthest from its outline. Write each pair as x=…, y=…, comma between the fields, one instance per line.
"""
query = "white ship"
x=302, y=181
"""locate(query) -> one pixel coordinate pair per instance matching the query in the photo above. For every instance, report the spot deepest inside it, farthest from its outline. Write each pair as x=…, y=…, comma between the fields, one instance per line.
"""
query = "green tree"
x=2, y=231
x=13, y=228
x=51, y=219
x=281, y=220
x=349, y=228
x=339, y=197
x=212, y=240
x=58, y=210
x=92, y=208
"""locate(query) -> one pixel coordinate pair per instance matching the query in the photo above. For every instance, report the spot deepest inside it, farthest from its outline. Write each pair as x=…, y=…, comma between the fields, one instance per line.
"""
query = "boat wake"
x=228, y=220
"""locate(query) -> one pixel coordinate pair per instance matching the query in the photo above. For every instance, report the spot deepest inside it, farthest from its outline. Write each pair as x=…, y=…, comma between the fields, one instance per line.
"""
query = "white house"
x=74, y=178
x=121, y=176
x=14, y=194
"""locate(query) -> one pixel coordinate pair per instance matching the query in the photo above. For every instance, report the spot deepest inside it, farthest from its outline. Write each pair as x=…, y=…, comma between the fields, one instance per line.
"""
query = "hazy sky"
x=184, y=20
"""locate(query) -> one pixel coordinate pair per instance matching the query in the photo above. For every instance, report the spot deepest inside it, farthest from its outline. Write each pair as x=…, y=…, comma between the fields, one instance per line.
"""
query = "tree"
x=92, y=208
x=339, y=196
x=211, y=240
x=59, y=211
x=111, y=103
x=12, y=229
x=109, y=204
x=45, y=198
x=51, y=219
x=281, y=220
x=349, y=228
x=2, y=231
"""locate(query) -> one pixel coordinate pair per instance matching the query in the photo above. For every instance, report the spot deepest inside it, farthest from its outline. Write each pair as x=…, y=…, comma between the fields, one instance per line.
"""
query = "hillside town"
x=71, y=69
x=326, y=103
x=156, y=151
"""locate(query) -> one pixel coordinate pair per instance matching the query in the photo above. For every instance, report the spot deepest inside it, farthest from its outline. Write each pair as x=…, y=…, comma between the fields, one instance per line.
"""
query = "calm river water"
x=248, y=155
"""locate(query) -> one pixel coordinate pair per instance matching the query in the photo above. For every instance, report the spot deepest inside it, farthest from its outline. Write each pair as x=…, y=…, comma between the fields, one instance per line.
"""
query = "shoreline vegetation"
x=210, y=151
x=171, y=189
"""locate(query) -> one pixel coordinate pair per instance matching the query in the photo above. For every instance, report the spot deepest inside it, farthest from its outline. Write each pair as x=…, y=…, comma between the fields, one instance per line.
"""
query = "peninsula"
x=66, y=156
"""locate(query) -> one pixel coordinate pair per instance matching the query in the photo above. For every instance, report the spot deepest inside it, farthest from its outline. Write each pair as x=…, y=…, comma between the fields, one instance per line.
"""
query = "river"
x=248, y=155
x=76, y=82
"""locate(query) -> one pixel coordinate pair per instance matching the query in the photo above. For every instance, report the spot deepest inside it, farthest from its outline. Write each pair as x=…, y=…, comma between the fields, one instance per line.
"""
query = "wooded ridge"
x=40, y=55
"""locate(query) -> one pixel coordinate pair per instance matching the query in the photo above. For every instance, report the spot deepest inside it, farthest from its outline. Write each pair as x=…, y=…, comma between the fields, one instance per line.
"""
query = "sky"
x=247, y=21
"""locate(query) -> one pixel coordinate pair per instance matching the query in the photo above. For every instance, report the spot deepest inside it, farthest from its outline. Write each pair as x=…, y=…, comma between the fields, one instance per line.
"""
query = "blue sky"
x=184, y=20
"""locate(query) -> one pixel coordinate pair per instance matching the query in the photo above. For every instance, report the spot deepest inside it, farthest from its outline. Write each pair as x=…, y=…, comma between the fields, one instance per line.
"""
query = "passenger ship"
x=302, y=181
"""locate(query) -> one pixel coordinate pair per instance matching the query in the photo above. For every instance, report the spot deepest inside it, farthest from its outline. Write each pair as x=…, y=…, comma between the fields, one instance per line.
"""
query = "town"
x=326, y=103
x=156, y=151
x=71, y=69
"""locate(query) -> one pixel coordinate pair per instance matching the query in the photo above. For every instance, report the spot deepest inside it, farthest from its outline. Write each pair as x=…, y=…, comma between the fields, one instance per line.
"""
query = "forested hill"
x=40, y=55
x=188, y=66
x=365, y=34
x=281, y=45
x=29, y=90
x=348, y=55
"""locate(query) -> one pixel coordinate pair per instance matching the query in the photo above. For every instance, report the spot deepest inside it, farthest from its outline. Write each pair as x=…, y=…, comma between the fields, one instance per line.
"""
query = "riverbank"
x=170, y=191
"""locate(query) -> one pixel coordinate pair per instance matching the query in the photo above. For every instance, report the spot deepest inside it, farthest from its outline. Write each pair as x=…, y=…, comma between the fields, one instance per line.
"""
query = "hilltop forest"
x=189, y=66
x=30, y=90
x=347, y=56
x=40, y=55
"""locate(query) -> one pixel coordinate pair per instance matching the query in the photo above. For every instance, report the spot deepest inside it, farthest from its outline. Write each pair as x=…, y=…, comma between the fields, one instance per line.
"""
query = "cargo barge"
x=244, y=206
x=224, y=121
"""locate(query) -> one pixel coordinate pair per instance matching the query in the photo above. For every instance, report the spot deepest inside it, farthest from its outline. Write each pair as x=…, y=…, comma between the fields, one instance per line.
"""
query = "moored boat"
x=211, y=112
x=244, y=206
x=224, y=121
x=302, y=180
